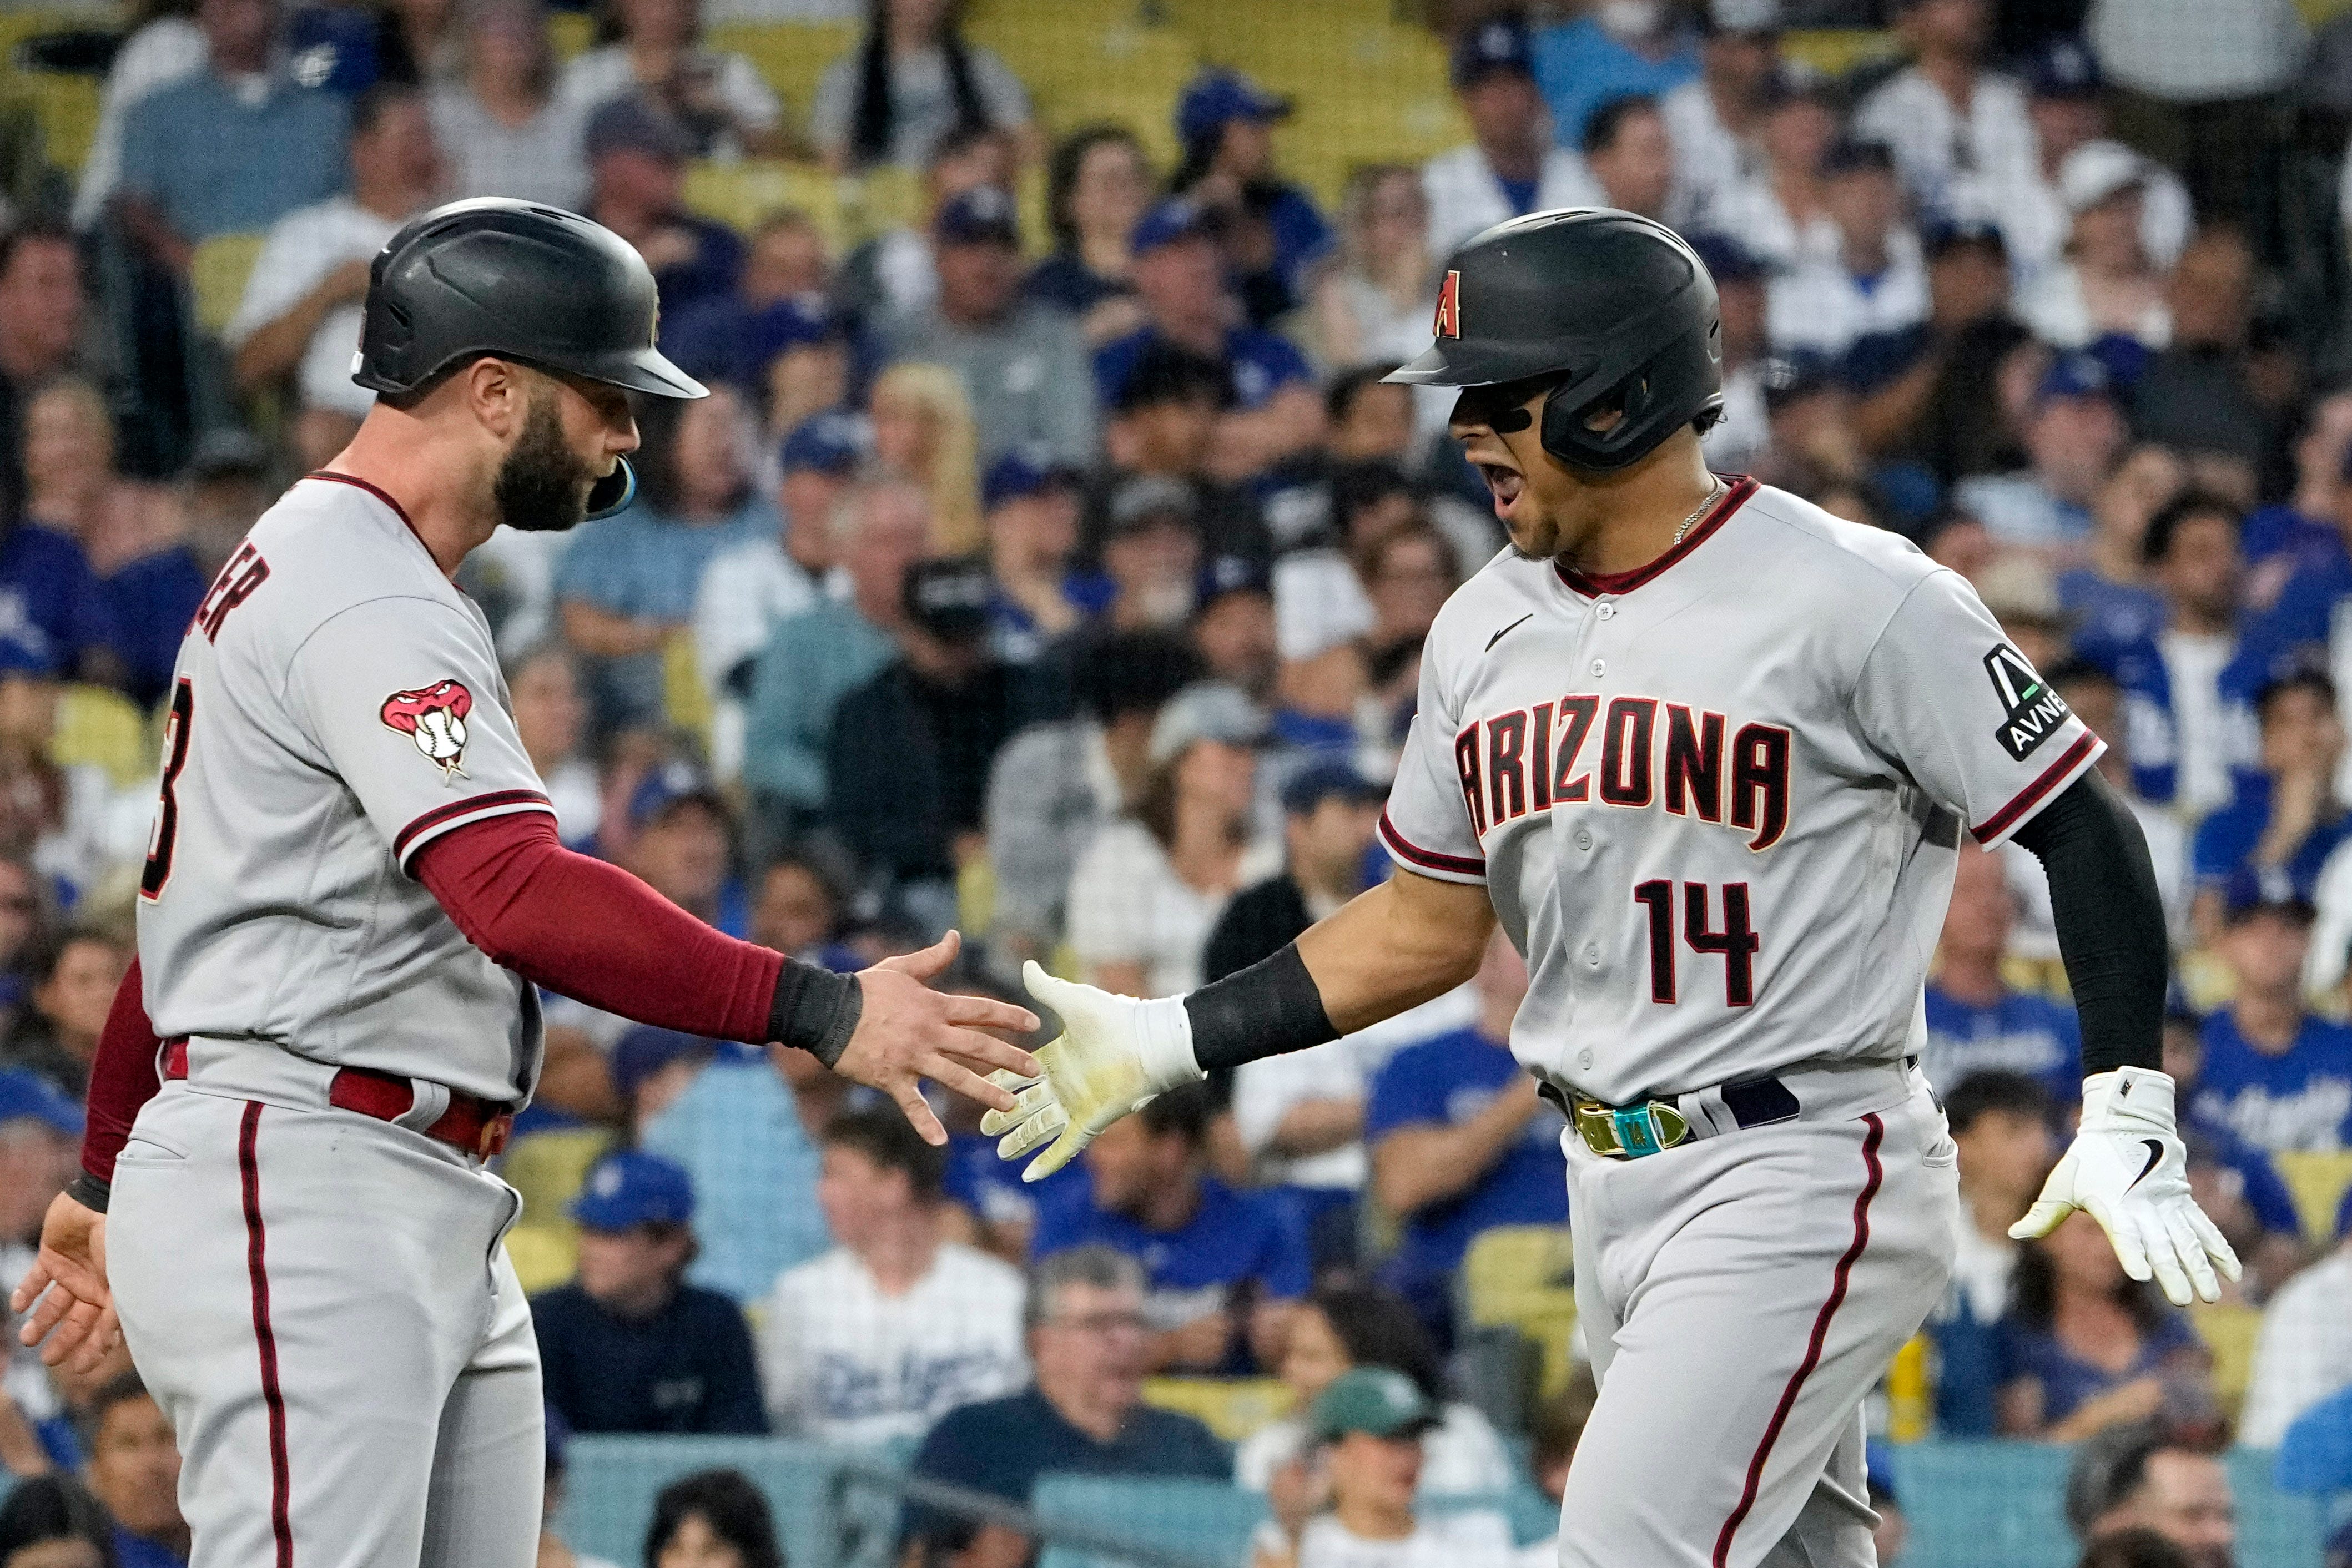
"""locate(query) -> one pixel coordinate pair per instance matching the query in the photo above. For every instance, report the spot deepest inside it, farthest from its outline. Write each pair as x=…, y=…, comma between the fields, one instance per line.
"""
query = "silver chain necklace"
x=1714, y=489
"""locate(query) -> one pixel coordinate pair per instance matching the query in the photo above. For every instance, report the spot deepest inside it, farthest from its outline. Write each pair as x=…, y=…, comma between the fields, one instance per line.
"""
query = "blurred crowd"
x=1068, y=588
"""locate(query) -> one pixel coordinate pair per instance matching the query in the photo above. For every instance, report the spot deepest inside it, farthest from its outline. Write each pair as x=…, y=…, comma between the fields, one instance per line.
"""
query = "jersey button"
x=1600, y=666
x=1607, y=612
x=1592, y=955
x=1583, y=839
x=1584, y=1058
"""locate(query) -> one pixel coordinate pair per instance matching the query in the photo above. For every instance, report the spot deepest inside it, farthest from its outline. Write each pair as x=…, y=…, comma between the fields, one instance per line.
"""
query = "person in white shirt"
x=1357, y=1509
x=1150, y=887
x=1342, y=1328
x=300, y=311
x=1739, y=285
x=2304, y=1353
x=2067, y=103
x=721, y=100
x=1876, y=281
x=1780, y=210
x=897, y=1325
x=1714, y=121
x=1960, y=132
x=1511, y=167
x=749, y=587
x=2105, y=283
x=505, y=132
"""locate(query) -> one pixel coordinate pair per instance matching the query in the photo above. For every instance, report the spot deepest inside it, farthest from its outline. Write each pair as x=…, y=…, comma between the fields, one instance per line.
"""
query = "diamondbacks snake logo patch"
x=435, y=718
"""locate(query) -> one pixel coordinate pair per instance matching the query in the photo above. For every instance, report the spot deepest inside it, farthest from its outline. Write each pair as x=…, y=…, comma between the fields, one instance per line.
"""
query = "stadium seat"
x=740, y=195
x=1209, y=1521
x=544, y=1256
x=572, y=33
x=686, y=701
x=2318, y=1181
x=547, y=1168
x=102, y=727
x=1232, y=1407
x=792, y=55
x=1523, y=1277
x=1833, y=51
x=2229, y=1332
x=216, y=277
x=66, y=106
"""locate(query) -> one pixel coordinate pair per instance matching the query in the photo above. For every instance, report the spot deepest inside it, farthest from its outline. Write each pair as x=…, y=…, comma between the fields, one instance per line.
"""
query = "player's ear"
x=498, y=393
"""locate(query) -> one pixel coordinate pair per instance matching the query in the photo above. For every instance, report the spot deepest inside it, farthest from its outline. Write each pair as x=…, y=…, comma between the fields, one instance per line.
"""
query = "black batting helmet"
x=1603, y=308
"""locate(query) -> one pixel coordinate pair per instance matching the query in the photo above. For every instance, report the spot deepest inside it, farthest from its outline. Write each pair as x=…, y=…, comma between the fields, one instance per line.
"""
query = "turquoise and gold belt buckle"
x=1648, y=1128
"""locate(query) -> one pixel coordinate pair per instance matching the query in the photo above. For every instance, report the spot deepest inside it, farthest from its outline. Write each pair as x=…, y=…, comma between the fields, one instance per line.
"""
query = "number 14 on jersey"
x=1737, y=941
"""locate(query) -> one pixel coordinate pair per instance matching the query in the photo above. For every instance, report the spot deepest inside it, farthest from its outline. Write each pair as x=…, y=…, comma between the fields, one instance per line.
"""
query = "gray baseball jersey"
x=1717, y=801
x=336, y=706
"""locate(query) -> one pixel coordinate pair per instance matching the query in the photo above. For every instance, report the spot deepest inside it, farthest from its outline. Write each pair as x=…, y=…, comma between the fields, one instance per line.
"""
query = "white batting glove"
x=1114, y=1053
x=2129, y=1171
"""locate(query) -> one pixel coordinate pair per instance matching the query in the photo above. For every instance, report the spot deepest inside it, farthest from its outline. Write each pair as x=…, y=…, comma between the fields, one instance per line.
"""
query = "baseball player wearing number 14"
x=1709, y=755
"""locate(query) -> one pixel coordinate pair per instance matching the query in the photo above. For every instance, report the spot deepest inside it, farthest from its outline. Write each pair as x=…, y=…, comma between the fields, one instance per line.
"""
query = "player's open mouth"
x=1506, y=483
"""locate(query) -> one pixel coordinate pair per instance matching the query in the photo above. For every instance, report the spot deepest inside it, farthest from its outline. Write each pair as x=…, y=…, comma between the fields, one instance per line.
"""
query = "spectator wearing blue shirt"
x=1029, y=503
x=44, y=314
x=1097, y=184
x=629, y=1346
x=227, y=149
x=637, y=169
x=132, y=1466
x=2182, y=723
x=2084, y=1346
x=2241, y=1192
x=679, y=839
x=1085, y=1413
x=1275, y=234
x=55, y=619
x=1975, y=1022
x=2107, y=594
x=2271, y=1072
x=1461, y=1143
x=1632, y=47
x=2073, y=433
x=2284, y=820
x=2305, y=530
x=2001, y=1124
x=627, y=583
x=1224, y=1267
x=1274, y=411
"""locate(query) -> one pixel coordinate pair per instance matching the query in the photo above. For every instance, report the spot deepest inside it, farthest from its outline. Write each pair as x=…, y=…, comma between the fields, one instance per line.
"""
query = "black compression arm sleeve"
x=1270, y=1009
x=2110, y=921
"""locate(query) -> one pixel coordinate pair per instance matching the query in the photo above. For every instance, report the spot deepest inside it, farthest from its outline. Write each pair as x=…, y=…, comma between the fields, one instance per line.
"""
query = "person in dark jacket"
x=628, y=1347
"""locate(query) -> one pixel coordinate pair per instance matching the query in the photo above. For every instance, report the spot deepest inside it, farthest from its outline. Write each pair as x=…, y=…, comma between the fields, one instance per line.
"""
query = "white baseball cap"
x=2096, y=170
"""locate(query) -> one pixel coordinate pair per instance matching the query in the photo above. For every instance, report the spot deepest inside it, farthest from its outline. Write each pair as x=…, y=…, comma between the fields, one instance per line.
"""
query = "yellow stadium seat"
x=792, y=55
x=884, y=198
x=548, y=1168
x=15, y=27
x=1147, y=114
x=2229, y=1333
x=1054, y=51
x=1833, y=51
x=2319, y=1182
x=67, y=107
x=216, y=277
x=742, y=195
x=104, y=728
x=1523, y=1277
x=1232, y=1407
x=571, y=32
x=684, y=698
x=544, y=1256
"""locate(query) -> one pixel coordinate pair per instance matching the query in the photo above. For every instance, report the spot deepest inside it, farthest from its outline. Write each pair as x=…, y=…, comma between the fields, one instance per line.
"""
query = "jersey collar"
x=397, y=510
x=1594, y=584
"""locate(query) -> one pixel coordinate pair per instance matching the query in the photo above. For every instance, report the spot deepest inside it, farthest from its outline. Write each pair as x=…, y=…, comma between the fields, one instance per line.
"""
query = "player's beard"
x=542, y=485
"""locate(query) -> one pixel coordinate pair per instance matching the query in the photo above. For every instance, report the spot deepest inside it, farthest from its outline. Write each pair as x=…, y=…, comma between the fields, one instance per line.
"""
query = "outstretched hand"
x=70, y=1308
x=907, y=1032
x=1114, y=1053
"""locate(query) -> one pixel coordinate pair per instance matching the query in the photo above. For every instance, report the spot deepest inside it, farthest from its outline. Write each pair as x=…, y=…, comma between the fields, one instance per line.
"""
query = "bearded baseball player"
x=353, y=889
x=1709, y=755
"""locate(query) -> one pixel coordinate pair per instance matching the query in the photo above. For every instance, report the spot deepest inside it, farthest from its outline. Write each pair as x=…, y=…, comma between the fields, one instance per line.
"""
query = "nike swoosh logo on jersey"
x=1505, y=631
x=2155, y=1157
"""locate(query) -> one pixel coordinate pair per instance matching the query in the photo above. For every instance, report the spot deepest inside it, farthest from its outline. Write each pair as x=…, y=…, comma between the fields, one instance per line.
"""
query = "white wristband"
x=1163, y=1044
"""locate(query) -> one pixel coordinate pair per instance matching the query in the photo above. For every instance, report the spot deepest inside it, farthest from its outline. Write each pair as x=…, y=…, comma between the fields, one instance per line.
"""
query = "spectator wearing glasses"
x=1087, y=1341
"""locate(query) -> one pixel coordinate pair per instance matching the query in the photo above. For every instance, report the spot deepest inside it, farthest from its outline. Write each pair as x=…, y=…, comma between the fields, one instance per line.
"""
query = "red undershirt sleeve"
x=121, y=1079
x=575, y=924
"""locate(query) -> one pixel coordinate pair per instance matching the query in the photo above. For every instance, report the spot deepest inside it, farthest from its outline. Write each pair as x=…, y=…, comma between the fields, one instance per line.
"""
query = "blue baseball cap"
x=630, y=1188
x=1497, y=44
x=633, y=125
x=1023, y=471
x=1728, y=260
x=2064, y=67
x=2075, y=375
x=833, y=441
x=981, y=215
x=27, y=1096
x=1320, y=781
x=1941, y=239
x=2249, y=891
x=646, y=1050
x=796, y=322
x=1799, y=373
x=1224, y=574
x=1216, y=95
x=675, y=781
x=1177, y=218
